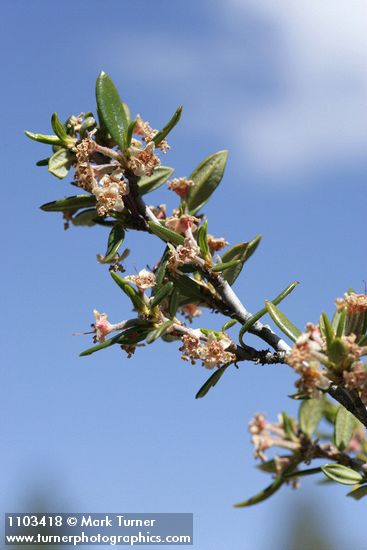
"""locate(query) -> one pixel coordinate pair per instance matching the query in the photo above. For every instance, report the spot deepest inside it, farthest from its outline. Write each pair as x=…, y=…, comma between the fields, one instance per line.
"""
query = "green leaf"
x=111, y=109
x=160, y=176
x=166, y=234
x=345, y=424
x=310, y=414
x=211, y=382
x=242, y=252
x=129, y=133
x=70, y=203
x=86, y=218
x=162, y=294
x=263, y=495
x=115, y=240
x=252, y=246
x=229, y=324
x=221, y=267
x=42, y=138
x=130, y=336
x=174, y=302
x=327, y=330
x=358, y=493
x=206, y=178
x=59, y=128
x=263, y=310
x=102, y=345
x=43, y=162
x=158, y=332
x=283, y=322
x=335, y=320
x=188, y=287
x=341, y=474
x=60, y=163
x=337, y=351
x=134, y=296
x=202, y=239
x=126, y=111
x=168, y=127
x=160, y=273
x=341, y=324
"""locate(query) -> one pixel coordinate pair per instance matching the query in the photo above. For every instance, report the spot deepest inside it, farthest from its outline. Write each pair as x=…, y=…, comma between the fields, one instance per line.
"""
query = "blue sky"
x=284, y=88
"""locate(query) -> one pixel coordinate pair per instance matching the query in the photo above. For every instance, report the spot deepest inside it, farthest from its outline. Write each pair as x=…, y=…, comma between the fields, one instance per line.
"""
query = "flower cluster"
x=84, y=174
x=213, y=352
x=265, y=435
x=109, y=193
x=319, y=362
x=180, y=186
x=305, y=357
x=355, y=307
x=181, y=224
x=143, y=128
x=216, y=243
x=142, y=161
x=143, y=280
x=102, y=327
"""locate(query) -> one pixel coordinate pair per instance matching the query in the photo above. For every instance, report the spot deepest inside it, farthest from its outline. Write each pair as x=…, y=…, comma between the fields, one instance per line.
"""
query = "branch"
x=239, y=312
x=350, y=400
x=243, y=353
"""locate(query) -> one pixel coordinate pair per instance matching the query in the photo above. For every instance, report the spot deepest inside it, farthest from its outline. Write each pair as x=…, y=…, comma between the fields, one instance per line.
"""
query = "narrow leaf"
x=160, y=273
x=70, y=203
x=43, y=162
x=211, y=382
x=341, y=474
x=42, y=138
x=252, y=246
x=327, y=330
x=229, y=324
x=345, y=424
x=283, y=322
x=129, y=133
x=115, y=240
x=168, y=127
x=130, y=336
x=242, y=252
x=202, y=239
x=111, y=109
x=160, y=176
x=102, y=345
x=216, y=268
x=263, y=495
x=310, y=414
x=341, y=324
x=58, y=127
x=158, y=332
x=277, y=300
x=174, y=301
x=162, y=294
x=134, y=296
x=188, y=287
x=166, y=234
x=206, y=178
